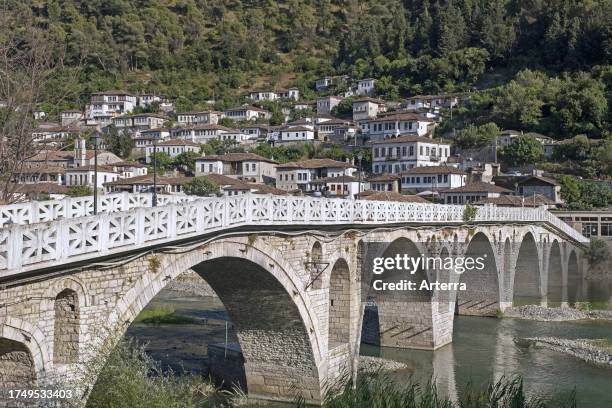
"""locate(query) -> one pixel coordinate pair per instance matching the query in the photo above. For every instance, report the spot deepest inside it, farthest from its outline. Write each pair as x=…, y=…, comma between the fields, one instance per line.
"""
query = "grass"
x=130, y=378
x=163, y=315
x=379, y=391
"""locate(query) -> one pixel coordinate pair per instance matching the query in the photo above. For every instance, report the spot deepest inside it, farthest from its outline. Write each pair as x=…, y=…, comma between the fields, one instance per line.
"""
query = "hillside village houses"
x=243, y=166
x=198, y=118
x=246, y=113
x=262, y=95
x=106, y=105
x=396, y=124
x=473, y=193
x=299, y=175
x=140, y=122
x=396, y=155
x=432, y=178
x=199, y=133
x=367, y=108
x=297, y=133
x=365, y=86
x=433, y=102
x=71, y=117
x=327, y=103
x=172, y=147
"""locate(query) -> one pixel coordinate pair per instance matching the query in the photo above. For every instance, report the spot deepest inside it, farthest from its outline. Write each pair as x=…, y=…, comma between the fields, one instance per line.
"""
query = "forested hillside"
x=198, y=50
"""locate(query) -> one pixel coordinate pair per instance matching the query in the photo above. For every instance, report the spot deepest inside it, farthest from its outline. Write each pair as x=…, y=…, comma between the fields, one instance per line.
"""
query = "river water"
x=482, y=349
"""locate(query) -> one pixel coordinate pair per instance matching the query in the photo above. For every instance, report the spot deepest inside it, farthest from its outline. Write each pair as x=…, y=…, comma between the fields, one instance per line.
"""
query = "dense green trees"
x=522, y=150
x=201, y=186
x=477, y=136
x=196, y=50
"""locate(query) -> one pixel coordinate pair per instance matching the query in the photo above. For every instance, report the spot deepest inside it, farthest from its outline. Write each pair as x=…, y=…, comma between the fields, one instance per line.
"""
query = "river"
x=482, y=348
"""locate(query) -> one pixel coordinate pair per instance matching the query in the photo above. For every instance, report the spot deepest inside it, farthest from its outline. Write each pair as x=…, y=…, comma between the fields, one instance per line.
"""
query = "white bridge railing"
x=66, y=233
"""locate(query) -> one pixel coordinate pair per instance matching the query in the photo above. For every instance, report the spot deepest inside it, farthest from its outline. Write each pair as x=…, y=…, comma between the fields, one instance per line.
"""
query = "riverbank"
x=597, y=352
x=555, y=314
x=371, y=364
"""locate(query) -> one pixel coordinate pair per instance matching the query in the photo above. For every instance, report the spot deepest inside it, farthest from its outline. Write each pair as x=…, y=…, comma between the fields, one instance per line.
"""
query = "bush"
x=79, y=191
x=469, y=213
x=201, y=186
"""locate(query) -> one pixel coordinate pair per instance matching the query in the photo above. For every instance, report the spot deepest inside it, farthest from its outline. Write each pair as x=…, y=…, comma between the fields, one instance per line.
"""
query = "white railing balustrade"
x=32, y=212
x=64, y=231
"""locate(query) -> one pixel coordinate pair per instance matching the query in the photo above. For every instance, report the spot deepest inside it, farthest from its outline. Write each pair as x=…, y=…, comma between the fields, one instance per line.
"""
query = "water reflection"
x=484, y=348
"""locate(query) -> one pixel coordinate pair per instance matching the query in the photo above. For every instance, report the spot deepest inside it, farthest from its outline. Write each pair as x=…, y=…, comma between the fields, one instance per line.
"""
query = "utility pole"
x=96, y=137
x=154, y=199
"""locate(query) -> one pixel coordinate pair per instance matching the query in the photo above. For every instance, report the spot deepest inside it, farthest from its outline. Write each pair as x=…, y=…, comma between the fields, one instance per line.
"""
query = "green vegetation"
x=469, y=213
x=197, y=51
x=119, y=143
x=598, y=252
x=130, y=378
x=523, y=150
x=584, y=195
x=79, y=191
x=379, y=390
x=477, y=136
x=163, y=315
x=201, y=186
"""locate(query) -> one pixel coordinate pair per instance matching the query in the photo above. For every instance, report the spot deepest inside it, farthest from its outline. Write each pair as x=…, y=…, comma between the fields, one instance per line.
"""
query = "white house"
x=472, y=193
x=129, y=169
x=394, y=125
x=200, y=133
x=432, y=178
x=326, y=128
x=339, y=186
x=267, y=95
x=296, y=133
x=139, y=122
x=198, y=118
x=71, y=117
x=172, y=148
x=432, y=101
x=243, y=166
x=247, y=112
x=396, y=155
x=323, y=83
x=300, y=175
x=106, y=105
x=367, y=108
x=234, y=135
x=84, y=176
x=327, y=103
x=366, y=86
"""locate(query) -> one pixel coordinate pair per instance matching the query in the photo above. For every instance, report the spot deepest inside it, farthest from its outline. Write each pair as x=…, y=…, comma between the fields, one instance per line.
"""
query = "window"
x=446, y=178
x=421, y=150
x=376, y=152
x=411, y=150
x=403, y=150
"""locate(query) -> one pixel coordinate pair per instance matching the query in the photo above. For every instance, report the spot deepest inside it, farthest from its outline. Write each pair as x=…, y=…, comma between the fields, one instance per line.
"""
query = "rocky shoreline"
x=370, y=364
x=191, y=283
x=584, y=349
x=555, y=314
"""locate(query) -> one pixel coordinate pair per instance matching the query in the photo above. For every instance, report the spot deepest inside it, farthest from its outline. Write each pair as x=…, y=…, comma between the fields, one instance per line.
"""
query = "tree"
x=186, y=161
x=162, y=161
x=523, y=150
x=477, y=136
x=201, y=186
x=119, y=143
x=31, y=62
x=344, y=107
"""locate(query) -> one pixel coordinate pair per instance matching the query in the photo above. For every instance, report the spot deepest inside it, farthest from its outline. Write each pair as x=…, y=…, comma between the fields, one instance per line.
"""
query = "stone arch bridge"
x=287, y=269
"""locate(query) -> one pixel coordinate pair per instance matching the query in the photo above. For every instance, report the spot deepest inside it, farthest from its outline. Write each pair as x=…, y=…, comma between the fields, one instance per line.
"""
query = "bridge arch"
x=277, y=331
x=527, y=274
x=24, y=356
x=481, y=296
x=554, y=291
